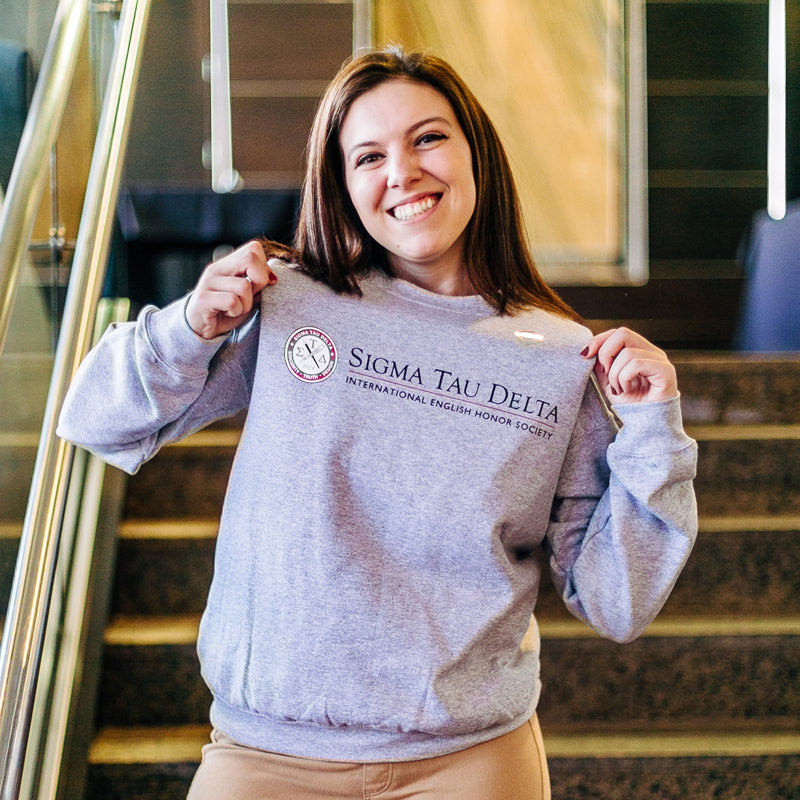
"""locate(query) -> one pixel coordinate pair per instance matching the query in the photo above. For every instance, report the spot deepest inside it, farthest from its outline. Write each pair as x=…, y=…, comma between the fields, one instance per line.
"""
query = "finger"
x=596, y=342
x=623, y=339
x=248, y=260
x=643, y=376
x=654, y=378
x=226, y=304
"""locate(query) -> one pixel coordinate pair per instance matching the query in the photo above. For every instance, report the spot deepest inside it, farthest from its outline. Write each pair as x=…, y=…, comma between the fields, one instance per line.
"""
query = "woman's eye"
x=429, y=138
x=367, y=158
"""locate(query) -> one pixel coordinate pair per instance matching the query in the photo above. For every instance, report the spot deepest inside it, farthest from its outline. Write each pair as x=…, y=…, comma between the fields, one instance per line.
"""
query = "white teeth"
x=411, y=210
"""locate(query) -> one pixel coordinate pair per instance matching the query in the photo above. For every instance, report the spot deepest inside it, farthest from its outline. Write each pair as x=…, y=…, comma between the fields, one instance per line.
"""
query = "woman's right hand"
x=228, y=290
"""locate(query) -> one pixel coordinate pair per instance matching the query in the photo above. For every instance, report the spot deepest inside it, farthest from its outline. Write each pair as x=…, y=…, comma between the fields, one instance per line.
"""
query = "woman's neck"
x=447, y=279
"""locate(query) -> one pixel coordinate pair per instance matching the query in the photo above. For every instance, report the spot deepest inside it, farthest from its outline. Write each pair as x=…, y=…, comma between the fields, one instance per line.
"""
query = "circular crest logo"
x=310, y=355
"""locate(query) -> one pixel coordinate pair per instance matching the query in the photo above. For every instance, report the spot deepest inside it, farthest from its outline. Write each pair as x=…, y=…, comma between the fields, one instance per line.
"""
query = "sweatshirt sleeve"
x=154, y=381
x=624, y=518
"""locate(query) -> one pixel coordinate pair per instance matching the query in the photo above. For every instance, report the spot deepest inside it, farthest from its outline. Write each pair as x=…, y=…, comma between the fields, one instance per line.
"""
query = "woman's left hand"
x=630, y=369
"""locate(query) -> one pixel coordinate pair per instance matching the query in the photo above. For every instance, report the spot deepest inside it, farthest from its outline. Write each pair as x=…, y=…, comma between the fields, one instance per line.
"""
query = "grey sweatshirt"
x=406, y=459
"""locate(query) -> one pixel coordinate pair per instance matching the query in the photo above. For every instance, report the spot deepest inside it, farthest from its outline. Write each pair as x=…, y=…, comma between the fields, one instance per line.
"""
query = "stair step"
x=739, y=676
x=17, y=460
x=737, y=671
x=670, y=744
x=756, y=777
x=165, y=567
x=743, y=476
x=744, y=433
x=721, y=389
x=9, y=545
x=130, y=630
x=145, y=781
x=183, y=743
x=742, y=469
x=23, y=390
x=153, y=744
x=147, y=763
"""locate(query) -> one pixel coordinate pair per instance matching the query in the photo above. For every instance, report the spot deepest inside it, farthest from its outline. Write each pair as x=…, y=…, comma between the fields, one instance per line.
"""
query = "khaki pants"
x=511, y=767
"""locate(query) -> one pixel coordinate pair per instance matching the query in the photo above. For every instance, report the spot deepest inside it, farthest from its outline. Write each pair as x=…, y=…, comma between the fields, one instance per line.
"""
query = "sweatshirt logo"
x=310, y=355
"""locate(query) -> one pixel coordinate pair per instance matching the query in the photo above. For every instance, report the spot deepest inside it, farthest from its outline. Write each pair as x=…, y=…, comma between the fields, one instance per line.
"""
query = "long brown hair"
x=332, y=245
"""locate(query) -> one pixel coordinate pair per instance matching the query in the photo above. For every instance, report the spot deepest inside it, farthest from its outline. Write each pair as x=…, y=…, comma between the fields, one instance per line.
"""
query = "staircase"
x=705, y=705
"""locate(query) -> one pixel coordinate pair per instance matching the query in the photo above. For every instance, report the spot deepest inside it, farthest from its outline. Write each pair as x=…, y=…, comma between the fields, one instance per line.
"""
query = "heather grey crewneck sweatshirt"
x=405, y=457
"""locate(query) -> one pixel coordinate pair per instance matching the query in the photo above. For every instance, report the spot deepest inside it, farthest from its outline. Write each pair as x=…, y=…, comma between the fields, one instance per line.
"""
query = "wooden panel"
x=171, y=110
x=700, y=223
x=694, y=313
x=709, y=41
x=271, y=133
x=793, y=97
x=707, y=133
x=288, y=41
x=707, y=138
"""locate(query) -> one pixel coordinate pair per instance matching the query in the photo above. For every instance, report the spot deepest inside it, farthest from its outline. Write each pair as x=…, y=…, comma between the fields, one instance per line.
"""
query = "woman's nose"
x=404, y=169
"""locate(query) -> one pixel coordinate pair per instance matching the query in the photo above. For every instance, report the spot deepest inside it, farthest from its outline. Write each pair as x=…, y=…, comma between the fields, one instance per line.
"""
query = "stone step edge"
x=190, y=528
x=649, y=744
x=142, y=631
x=720, y=432
x=228, y=439
x=207, y=528
x=183, y=744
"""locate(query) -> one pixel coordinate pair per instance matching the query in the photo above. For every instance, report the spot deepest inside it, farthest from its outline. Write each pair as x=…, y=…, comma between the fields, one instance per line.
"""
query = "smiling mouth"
x=415, y=209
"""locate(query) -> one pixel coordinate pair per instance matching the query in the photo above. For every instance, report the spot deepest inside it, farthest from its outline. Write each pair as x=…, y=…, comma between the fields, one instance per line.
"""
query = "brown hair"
x=332, y=245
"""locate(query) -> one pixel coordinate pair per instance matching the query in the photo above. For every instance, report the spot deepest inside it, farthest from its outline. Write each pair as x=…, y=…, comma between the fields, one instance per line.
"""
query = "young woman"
x=425, y=417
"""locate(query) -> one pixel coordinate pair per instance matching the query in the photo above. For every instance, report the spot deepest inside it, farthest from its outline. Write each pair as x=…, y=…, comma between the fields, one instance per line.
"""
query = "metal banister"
x=26, y=184
x=33, y=580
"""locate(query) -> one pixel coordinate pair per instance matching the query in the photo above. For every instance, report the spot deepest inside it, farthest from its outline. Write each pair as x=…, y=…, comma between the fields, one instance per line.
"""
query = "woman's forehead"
x=395, y=103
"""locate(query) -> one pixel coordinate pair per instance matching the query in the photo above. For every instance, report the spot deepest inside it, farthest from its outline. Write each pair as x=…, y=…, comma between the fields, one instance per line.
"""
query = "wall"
x=707, y=132
x=707, y=104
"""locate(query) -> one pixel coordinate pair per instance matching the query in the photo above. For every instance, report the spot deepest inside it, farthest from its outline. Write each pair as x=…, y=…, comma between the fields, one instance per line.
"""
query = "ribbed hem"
x=656, y=426
x=359, y=745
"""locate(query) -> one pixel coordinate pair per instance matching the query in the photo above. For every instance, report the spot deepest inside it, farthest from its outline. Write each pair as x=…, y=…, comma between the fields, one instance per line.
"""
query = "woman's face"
x=408, y=170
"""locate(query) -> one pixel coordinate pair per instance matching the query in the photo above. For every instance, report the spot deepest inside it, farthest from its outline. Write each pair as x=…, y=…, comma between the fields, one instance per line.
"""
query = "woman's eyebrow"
x=426, y=121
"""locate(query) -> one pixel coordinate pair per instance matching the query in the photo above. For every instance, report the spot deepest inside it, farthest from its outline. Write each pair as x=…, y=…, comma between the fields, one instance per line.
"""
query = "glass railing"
x=27, y=355
x=56, y=228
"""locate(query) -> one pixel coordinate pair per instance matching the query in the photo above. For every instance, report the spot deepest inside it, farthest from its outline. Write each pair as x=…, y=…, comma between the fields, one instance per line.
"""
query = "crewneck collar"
x=460, y=304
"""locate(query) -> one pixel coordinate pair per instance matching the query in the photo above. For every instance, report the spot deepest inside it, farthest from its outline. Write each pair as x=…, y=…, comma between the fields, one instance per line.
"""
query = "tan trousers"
x=511, y=767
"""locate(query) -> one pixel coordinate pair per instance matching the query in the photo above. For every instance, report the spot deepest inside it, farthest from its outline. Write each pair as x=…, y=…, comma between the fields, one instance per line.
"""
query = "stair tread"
x=169, y=529
x=702, y=432
x=749, y=432
x=167, y=744
x=182, y=628
x=207, y=528
x=655, y=744
x=175, y=629
x=148, y=744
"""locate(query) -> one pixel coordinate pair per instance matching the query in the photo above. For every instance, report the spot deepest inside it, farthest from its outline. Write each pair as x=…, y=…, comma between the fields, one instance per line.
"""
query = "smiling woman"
x=332, y=242
x=367, y=627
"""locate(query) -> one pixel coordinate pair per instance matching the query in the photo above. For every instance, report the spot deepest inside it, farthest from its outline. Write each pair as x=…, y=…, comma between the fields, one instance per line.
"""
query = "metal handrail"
x=33, y=580
x=224, y=178
x=26, y=184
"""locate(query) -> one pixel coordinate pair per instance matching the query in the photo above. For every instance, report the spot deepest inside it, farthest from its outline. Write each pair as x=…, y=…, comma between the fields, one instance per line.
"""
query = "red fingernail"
x=613, y=391
x=585, y=351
